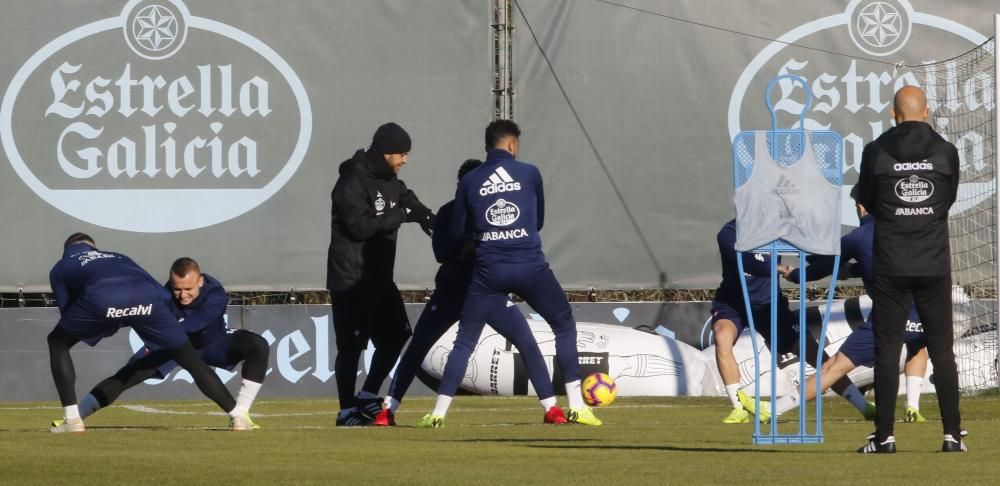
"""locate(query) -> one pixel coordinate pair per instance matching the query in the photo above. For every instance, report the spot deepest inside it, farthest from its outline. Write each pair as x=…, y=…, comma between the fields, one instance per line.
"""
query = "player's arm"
x=210, y=312
x=415, y=210
x=59, y=288
x=865, y=190
x=410, y=200
x=458, y=225
x=445, y=247
x=358, y=217
x=539, y=198
x=953, y=163
x=820, y=266
x=756, y=264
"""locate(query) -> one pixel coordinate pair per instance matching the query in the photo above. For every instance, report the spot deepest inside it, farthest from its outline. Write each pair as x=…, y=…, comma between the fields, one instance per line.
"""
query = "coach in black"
x=369, y=205
x=909, y=180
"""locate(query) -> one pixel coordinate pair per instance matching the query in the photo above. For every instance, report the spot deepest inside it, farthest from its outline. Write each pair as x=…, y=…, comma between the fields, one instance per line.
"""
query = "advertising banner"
x=169, y=128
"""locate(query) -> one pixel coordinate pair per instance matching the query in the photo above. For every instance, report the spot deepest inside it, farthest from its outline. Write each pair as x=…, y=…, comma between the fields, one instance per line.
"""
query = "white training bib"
x=795, y=203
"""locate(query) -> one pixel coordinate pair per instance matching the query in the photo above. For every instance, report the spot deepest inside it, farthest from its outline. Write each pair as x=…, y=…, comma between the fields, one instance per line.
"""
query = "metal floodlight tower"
x=503, y=60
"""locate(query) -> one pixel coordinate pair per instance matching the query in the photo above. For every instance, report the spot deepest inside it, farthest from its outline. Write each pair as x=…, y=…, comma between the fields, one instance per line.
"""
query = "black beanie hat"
x=391, y=139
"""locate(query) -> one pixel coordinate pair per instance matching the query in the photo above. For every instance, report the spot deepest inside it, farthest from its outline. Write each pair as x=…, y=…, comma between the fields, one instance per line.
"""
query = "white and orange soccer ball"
x=599, y=390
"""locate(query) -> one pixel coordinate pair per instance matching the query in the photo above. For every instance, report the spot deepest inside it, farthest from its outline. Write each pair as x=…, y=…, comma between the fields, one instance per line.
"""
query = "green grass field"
x=486, y=441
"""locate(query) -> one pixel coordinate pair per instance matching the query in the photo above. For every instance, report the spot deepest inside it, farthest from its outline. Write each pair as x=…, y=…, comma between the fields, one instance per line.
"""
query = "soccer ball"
x=599, y=390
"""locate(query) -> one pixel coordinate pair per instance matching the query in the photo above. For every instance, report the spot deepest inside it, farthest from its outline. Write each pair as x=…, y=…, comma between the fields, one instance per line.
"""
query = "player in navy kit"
x=503, y=204
x=859, y=347
x=730, y=316
x=201, y=302
x=457, y=257
x=99, y=292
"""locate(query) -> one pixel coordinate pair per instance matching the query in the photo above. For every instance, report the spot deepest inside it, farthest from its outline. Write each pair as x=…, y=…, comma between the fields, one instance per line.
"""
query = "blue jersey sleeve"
x=59, y=288
x=459, y=211
x=444, y=245
x=820, y=266
x=208, y=313
x=539, y=198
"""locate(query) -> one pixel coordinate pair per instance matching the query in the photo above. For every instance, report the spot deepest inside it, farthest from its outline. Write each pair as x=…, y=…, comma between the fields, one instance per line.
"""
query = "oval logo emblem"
x=914, y=189
x=502, y=213
x=169, y=128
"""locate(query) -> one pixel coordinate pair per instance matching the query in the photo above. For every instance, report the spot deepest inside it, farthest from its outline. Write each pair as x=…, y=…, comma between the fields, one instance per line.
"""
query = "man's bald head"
x=909, y=104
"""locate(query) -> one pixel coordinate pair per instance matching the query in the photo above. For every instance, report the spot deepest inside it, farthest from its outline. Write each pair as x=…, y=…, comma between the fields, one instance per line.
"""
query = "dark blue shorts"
x=214, y=354
x=116, y=303
x=787, y=321
x=859, y=347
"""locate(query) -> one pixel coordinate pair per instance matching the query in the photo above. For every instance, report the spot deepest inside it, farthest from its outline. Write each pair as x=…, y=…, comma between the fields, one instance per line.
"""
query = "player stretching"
x=99, y=292
x=729, y=317
x=859, y=348
x=201, y=303
x=503, y=200
x=457, y=258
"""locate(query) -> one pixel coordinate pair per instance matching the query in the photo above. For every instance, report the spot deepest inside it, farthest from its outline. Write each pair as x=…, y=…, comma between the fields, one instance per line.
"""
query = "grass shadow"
x=541, y=439
x=670, y=448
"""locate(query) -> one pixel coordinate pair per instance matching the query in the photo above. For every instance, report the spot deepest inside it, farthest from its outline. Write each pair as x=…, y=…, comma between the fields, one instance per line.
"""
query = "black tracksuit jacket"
x=909, y=180
x=369, y=205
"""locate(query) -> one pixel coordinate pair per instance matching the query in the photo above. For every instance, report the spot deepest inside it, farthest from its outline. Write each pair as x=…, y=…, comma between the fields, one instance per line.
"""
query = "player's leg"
x=206, y=379
x=833, y=369
x=891, y=301
x=64, y=375
x=250, y=348
x=510, y=323
x=726, y=325
x=160, y=329
x=914, y=370
x=440, y=313
x=538, y=286
x=477, y=308
x=390, y=329
x=788, y=342
x=932, y=296
x=349, y=315
x=148, y=365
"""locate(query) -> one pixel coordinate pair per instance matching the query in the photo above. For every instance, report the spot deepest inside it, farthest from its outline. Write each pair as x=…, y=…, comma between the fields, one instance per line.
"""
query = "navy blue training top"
x=756, y=265
x=454, y=254
x=858, y=245
x=82, y=267
x=502, y=202
x=203, y=319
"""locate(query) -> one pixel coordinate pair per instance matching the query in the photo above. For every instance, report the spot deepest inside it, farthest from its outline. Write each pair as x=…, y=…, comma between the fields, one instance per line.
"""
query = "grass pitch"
x=486, y=440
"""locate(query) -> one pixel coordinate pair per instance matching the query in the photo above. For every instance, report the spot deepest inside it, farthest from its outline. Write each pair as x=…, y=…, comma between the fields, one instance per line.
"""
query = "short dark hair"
x=183, y=266
x=500, y=129
x=468, y=166
x=79, y=238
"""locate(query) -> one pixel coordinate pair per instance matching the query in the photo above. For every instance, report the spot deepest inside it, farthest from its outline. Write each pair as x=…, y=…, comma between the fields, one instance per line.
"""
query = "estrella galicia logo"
x=852, y=95
x=155, y=120
x=502, y=213
x=914, y=189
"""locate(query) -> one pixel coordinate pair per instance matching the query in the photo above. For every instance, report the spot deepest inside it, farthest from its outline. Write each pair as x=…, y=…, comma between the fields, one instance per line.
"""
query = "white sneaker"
x=67, y=425
x=242, y=422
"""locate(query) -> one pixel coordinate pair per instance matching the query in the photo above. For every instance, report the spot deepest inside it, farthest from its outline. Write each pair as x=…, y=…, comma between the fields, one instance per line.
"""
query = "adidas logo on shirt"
x=499, y=181
x=785, y=186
